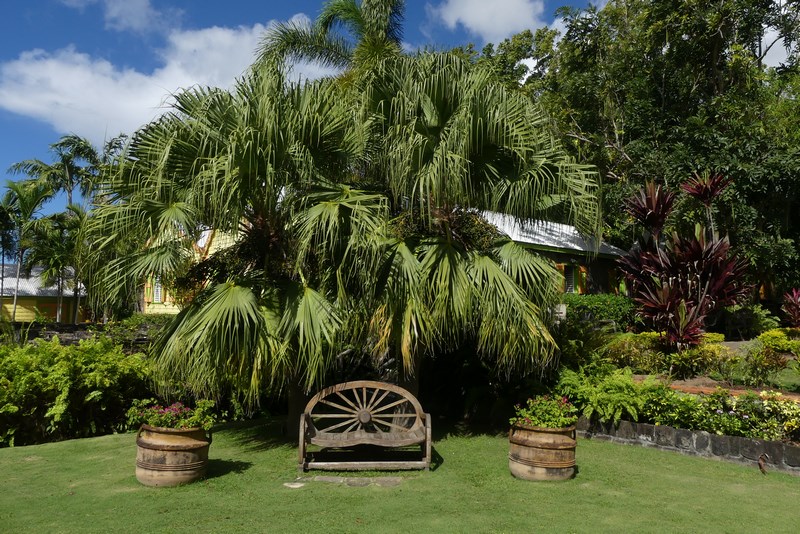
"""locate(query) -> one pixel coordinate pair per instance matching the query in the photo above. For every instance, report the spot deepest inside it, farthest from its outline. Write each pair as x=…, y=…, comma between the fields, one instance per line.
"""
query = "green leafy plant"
x=605, y=396
x=545, y=411
x=176, y=415
x=781, y=340
x=699, y=360
x=762, y=364
x=643, y=352
x=747, y=321
x=617, y=309
x=50, y=392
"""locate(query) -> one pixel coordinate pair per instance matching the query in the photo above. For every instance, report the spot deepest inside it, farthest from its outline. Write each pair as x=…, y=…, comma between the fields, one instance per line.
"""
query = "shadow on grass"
x=259, y=435
x=218, y=468
x=443, y=428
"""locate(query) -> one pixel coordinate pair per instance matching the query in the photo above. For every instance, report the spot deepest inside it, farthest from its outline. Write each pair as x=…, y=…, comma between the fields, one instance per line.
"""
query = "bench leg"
x=301, y=447
x=427, y=443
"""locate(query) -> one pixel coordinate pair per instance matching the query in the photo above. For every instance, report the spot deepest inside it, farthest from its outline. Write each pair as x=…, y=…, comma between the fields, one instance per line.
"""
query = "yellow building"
x=157, y=299
x=36, y=301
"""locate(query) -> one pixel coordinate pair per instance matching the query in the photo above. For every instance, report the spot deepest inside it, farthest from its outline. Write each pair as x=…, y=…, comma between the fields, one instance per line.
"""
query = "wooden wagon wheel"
x=364, y=405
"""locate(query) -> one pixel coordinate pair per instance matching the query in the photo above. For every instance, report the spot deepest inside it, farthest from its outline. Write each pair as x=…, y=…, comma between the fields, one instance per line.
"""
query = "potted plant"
x=172, y=442
x=542, y=439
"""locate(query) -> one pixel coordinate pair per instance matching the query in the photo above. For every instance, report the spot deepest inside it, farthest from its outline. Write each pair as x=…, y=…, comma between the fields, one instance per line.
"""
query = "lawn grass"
x=89, y=486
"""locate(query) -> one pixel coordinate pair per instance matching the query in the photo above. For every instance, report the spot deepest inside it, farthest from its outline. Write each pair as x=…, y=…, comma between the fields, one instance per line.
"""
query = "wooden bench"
x=351, y=416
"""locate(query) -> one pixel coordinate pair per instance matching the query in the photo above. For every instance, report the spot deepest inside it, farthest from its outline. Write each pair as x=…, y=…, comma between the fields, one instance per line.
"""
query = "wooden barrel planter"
x=171, y=456
x=538, y=453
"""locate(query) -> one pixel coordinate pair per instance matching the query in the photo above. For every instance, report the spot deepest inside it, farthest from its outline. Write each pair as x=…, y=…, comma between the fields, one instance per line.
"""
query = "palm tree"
x=236, y=162
x=450, y=142
x=358, y=215
x=7, y=245
x=373, y=31
x=25, y=200
x=66, y=173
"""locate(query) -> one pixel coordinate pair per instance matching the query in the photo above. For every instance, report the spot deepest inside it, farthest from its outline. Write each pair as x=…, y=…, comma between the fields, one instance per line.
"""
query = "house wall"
x=47, y=307
x=592, y=275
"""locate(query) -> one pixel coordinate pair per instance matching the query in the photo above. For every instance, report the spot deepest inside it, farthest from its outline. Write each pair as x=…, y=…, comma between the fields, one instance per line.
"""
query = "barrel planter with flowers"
x=542, y=439
x=172, y=443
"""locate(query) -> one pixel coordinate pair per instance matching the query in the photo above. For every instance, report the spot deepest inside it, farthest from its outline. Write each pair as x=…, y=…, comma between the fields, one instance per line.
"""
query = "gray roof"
x=549, y=235
x=31, y=286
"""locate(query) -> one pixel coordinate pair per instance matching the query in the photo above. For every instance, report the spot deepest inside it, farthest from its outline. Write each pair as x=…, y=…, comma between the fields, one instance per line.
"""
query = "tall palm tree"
x=7, y=245
x=25, y=200
x=66, y=173
x=372, y=31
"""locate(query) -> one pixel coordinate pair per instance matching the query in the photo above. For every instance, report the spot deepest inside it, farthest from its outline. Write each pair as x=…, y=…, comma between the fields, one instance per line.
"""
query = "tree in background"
x=24, y=200
x=66, y=173
x=657, y=89
x=373, y=30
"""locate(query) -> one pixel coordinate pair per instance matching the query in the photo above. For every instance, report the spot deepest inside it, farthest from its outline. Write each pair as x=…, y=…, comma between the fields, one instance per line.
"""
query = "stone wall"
x=782, y=456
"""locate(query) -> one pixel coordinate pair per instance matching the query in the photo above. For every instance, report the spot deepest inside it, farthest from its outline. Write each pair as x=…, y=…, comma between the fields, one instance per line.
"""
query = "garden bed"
x=780, y=456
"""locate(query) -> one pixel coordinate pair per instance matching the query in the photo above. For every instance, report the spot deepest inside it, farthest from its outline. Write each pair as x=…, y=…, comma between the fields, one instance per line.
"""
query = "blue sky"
x=98, y=68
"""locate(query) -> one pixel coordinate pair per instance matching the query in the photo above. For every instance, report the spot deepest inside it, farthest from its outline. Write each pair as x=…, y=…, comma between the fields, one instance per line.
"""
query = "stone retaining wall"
x=782, y=456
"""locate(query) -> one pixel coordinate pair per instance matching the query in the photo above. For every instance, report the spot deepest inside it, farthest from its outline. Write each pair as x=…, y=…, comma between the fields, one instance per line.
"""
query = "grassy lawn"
x=89, y=486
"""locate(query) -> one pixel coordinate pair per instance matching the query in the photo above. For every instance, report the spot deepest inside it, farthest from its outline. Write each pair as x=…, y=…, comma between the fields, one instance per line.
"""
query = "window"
x=157, y=289
x=569, y=279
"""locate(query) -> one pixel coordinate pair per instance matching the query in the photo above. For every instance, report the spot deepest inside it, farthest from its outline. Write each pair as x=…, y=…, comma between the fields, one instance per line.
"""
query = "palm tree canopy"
x=357, y=211
x=372, y=30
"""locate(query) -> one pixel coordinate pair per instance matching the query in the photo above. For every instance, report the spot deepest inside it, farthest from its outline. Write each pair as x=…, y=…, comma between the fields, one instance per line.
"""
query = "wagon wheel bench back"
x=359, y=413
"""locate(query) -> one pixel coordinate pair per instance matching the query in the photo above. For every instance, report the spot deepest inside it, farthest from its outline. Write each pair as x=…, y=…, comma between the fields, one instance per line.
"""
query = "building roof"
x=31, y=286
x=549, y=235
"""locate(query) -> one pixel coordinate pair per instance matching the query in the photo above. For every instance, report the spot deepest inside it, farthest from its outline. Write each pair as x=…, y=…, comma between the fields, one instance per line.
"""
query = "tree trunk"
x=3, y=284
x=16, y=289
x=60, y=297
x=77, y=301
x=297, y=402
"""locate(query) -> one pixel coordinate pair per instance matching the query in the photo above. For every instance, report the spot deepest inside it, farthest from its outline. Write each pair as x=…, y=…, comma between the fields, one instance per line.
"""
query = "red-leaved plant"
x=791, y=306
x=679, y=282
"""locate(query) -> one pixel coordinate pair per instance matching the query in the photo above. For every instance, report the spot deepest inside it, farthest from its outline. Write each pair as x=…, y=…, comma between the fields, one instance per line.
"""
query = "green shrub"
x=700, y=360
x=136, y=331
x=641, y=352
x=612, y=395
x=781, y=340
x=601, y=308
x=746, y=322
x=712, y=337
x=50, y=392
x=762, y=363
x=605, y=396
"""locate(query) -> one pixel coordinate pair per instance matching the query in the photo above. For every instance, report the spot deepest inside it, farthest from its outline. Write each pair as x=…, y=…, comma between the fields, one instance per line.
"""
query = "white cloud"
x=74, y=92
x=130, y=15
x=491, y=21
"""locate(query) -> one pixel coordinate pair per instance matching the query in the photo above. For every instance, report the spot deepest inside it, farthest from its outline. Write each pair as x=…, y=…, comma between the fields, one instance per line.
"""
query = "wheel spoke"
x=344, y=408
x=339, y=425
x=389, y=406
x=348, y=401
x=388, y=424
x=373, y=405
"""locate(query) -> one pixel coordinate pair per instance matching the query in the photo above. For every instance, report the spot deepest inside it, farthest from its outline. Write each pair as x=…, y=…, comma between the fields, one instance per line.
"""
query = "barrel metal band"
x=534, y=463
x=179, y=467
x=518, y=440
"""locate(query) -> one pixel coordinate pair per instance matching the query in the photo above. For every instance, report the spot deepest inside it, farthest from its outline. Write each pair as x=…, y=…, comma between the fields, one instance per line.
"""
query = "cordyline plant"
x=791, y=307
x=706, y=187
x=677, y=283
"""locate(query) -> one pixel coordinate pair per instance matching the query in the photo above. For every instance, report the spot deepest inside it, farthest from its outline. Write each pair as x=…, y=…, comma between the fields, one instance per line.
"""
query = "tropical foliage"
x=679, y=282
x=357, y=211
